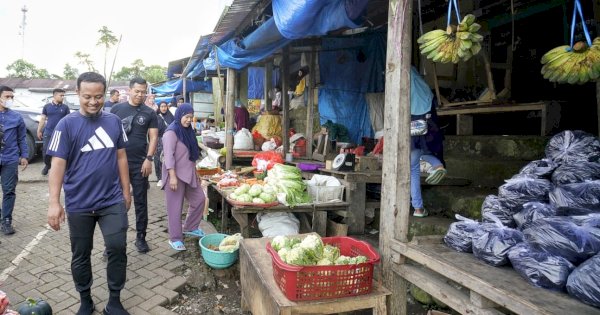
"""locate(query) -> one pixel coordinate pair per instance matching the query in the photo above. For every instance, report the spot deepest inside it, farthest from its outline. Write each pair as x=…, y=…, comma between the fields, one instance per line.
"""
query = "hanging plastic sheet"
x=256, y=82
x=176, y=86
x=303, y=18
x=347, y=108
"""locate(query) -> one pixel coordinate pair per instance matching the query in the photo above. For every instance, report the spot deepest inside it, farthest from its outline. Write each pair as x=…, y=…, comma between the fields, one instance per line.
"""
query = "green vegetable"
x=267, y=198
x=244, y=198
x=298, y=256
x=331, y=252
x=313, y=246
x=34, y=307
x=233, y=196
x=283, y=253
x=258, y=200
x=269, y=189
x=360, y=259
x=280, y=242
x=242, y=189
x=324, y=262
x=255, y=190
x=343, y=260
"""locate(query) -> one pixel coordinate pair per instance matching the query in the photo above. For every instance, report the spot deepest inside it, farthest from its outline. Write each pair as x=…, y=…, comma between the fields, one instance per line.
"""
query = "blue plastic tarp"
x=347, y=108
x=256, y=82
x=176, y=87
x=303, y=18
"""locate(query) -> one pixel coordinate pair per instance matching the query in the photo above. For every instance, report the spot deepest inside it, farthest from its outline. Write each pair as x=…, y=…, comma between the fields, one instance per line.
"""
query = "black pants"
x=140, y=187
x=113, y=224
x=47, y=158
x=157, y=162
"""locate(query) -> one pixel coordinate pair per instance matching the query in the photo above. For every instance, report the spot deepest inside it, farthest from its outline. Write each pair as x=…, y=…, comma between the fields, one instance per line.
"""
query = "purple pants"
x=174, y=201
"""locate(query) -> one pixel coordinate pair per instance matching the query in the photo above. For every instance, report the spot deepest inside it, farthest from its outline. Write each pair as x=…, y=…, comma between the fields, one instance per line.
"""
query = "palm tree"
x=107, y=39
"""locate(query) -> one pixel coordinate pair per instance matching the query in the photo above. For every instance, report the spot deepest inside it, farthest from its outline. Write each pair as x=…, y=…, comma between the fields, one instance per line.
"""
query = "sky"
x=155, y=31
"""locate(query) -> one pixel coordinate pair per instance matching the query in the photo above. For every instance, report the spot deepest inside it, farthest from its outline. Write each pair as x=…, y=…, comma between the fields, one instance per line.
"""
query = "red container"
x=305, y=283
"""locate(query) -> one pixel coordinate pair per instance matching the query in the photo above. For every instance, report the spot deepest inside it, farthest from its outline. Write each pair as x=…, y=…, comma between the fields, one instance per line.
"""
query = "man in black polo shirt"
x=141, y=126
x=52, y=113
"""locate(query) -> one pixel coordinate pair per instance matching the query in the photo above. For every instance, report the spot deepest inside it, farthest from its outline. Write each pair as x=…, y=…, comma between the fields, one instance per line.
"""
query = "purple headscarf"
x=185, y=135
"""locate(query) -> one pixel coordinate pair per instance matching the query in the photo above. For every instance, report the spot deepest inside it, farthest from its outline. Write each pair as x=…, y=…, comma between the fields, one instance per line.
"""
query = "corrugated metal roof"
x=234, y=16
x=47, y=84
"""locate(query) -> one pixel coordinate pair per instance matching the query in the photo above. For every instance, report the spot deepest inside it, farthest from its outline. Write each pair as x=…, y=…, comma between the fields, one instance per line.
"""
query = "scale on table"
x=344, y=162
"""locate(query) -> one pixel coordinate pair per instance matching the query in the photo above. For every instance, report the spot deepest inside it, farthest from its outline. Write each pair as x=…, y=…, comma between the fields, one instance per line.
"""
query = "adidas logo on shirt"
x=100, y=140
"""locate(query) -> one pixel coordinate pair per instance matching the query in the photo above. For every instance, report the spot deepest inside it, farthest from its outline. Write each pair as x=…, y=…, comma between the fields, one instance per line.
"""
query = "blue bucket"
x=216, y=259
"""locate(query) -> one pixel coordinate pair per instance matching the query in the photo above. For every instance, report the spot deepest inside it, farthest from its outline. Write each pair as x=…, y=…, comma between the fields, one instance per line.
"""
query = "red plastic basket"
x=305, y=283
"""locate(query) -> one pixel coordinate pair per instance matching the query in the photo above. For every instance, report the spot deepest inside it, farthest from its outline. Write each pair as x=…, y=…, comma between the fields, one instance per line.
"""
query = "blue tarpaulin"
x=176, y=87
x=347, y=108
x=256, y=82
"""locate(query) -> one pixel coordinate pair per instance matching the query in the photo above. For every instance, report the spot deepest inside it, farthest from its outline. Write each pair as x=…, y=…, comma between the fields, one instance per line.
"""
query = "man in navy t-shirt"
x=52, y=113
x=89, y=161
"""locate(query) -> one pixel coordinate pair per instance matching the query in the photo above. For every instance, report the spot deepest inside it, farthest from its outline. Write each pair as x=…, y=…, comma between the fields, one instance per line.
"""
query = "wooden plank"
x=395, y=198
x=439, y=288
x=256, y=298
x=481, y=301
x=355, y=177
x=285, y=100
x=356, y=209
x=464, y=125
x=310, y=112
x=499, y=284
x=319, y=223
x=492, y=109
x=229, y=117
x=477, y=102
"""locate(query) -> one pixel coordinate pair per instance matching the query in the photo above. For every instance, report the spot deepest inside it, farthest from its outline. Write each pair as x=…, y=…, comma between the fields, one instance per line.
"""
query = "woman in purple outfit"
x=179, y=177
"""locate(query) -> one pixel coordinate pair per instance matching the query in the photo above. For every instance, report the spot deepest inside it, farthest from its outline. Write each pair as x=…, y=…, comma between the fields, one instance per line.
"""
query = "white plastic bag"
x=242, y=140
x=269, y=145
x=277, y=223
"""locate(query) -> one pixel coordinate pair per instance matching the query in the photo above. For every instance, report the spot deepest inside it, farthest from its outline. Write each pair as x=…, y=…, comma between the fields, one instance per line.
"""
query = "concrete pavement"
x=35, y=261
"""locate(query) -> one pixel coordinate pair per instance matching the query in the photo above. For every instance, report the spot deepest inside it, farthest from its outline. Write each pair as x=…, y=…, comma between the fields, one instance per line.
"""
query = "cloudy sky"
x=154, y=31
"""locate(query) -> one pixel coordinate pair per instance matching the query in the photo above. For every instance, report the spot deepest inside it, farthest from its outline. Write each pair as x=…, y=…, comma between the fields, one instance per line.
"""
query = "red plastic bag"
x=266, y=160
x=378, y=149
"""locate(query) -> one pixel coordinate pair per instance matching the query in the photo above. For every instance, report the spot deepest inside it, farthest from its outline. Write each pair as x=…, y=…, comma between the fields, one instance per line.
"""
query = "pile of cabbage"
x=311, y=251
x=255, y=194
x=287, y=180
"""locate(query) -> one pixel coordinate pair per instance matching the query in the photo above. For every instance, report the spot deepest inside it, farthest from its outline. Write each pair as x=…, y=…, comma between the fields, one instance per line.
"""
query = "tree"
x=152, y=74
x=70, y=73
x=107, y=39
x=23, y=69
x=155, y=73
x=84, y=59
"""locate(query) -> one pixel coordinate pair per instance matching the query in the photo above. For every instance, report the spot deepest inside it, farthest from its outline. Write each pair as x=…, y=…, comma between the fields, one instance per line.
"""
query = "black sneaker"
x=45, y=171
x=142, y=245
x=7, y=228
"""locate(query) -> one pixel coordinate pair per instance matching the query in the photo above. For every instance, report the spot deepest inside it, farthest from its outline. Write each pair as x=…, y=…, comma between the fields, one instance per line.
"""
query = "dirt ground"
x=211, y=291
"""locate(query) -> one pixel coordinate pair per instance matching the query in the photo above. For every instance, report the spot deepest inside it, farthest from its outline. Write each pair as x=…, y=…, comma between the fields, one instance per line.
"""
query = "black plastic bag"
x=584, y=282
x=561, y=236
x=576, y=173
x=460, y=234
x=519, y=190
x=539, y=268
x=532, y=211
x=496, y=207
x=539, y=168
x=572, y=146
x=493, y=245
x=580, y=196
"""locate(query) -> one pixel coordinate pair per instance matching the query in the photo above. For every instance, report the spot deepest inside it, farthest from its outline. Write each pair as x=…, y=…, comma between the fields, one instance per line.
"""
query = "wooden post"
x=285, y=100
x=395, y=199
x=229, y=116
x=268, y=84
x=310, y=111
x=598, y=104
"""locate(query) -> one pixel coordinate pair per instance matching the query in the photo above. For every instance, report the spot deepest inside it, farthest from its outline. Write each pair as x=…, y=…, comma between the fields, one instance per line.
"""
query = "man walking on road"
x=52, y=113
x=114, y=99
x=89, y=160
x=141, y=126
x=13, y=151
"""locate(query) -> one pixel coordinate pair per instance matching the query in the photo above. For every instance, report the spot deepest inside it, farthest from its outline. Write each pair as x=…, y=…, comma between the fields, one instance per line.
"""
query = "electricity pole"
x=22, y=31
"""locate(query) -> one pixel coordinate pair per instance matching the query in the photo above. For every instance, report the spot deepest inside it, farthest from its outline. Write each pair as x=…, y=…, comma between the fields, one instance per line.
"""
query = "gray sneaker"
x=7, y=228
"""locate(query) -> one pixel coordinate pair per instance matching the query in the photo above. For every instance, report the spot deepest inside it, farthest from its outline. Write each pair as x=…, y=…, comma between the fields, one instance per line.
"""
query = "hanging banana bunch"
x=576, y=63
x=454, y=44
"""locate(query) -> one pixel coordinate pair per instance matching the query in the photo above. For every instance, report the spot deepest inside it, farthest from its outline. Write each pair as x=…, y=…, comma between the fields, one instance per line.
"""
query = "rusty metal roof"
x=235, y=16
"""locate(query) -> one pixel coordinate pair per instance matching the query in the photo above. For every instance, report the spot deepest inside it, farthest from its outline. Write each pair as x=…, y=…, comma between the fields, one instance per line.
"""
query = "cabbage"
x=258, y=200
x=267, y=198
x=269, y=189
x=242, y=189
x=331, y=252
x=313, y=246
x=244, y=198
x=233, y=196
x=255, y=190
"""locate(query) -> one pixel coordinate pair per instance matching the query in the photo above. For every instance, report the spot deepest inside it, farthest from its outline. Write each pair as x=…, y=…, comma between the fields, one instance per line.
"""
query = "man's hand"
x=56, y=215
x=40, y=135
x=127, y=198
x=24, y=163
x=146, y=168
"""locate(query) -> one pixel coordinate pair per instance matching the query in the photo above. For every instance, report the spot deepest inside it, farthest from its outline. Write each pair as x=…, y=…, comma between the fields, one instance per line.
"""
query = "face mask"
x=8, y=103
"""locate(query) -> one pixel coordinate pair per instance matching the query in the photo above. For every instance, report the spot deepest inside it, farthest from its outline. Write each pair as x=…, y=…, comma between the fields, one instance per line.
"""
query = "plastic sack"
x=576, y=173
x=539, y=168
x=272, y=224
x=460, y=234
x=496, y=207
x=265, y=160
x=584, y=282
x=242, y=140
x=230, y=243
x=560, y=236
x=583, y=196
x=269, y=145
x=539, y=268
x=493, y=245
x=533, y=211
x=519, y=190
x=572, y=146
x=269, y=126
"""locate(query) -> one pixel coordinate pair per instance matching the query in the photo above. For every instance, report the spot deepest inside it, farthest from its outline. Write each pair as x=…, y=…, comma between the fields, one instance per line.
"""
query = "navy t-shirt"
x=54, y=113
x=144, y=118
x=89, y=145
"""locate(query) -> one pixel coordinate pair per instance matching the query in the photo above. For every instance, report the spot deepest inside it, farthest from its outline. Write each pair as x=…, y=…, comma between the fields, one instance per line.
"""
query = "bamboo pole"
x=229, y=116
x=395, y=197
x=285, y=100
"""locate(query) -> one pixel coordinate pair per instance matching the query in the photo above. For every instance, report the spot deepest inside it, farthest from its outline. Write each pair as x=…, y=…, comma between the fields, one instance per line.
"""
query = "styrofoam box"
x=320, y=194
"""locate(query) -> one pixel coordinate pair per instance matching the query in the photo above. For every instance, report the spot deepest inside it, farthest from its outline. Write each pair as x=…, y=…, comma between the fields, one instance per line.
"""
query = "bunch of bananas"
x=578, y=65
x=454, y=44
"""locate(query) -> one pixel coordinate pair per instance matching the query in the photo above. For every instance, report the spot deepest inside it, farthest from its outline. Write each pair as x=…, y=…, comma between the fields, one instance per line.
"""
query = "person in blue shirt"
x=114, y=99
x=13, y=151
x=90, y=163
x=52, y=113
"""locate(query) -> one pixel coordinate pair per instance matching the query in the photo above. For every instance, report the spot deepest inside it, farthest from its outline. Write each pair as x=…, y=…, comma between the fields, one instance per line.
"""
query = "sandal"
x=194, y=233
x=436, y=176
x=177, y=245
x=422, y=214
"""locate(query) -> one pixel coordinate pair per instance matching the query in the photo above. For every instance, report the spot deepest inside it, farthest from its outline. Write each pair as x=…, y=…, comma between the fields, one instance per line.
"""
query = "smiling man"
x=141, y=125
x=90, y=163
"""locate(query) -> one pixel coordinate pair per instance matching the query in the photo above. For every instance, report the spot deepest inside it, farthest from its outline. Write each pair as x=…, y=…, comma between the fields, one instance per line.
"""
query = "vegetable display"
x=287, y=180
x=311, y=251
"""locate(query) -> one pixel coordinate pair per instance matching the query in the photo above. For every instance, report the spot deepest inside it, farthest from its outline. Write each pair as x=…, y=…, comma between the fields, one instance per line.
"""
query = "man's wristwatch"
x=150, y=158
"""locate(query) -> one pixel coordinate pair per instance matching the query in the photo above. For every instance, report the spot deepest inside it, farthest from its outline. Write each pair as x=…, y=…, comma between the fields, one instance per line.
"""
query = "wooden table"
x=240, y=213
x=261, y=295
